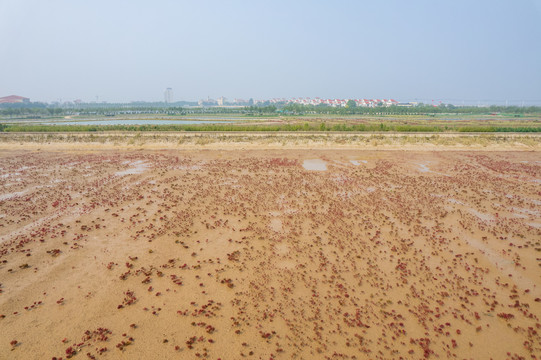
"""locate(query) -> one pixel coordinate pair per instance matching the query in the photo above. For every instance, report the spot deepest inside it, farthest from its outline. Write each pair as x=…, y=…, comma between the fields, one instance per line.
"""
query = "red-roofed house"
x=13, y=99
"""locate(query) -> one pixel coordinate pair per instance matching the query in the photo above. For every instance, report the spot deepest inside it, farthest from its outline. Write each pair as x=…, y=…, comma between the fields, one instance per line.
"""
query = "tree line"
x=420, y=109
x=42, y=110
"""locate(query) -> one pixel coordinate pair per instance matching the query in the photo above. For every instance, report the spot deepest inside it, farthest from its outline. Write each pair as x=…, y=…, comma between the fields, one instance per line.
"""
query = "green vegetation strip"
x=34, y=110
x=382, y=127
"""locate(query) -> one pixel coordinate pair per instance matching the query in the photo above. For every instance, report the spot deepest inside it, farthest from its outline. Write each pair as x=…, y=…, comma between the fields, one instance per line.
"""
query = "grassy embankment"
x=311, y=126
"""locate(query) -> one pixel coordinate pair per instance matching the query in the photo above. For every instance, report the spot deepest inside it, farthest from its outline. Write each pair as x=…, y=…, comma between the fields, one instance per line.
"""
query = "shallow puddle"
x=358, y=162
x=424, y=168
x=504, y=265
x=516, y=210
x=9, y=196
x=8, y=175
x=276, y=225
x=314, y=164
x=139, y=167
x=482, y=216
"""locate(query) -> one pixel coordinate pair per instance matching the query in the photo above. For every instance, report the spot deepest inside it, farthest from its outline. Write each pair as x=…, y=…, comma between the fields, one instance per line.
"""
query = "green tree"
x=351, y=104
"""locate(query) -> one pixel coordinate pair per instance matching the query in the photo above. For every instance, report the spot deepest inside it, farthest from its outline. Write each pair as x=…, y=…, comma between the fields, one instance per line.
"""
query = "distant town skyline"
x=478, y=52
x=223, y=101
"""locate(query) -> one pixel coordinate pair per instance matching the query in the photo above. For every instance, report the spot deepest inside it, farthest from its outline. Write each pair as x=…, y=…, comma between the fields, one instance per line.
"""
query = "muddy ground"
x=186, y=254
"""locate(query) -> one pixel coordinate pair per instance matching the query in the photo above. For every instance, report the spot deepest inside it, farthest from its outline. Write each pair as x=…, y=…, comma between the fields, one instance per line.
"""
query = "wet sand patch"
x=314, y=165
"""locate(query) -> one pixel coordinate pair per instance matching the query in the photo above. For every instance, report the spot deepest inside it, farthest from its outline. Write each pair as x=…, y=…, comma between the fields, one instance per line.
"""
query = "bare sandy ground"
x=186, y=254
x=268, y=140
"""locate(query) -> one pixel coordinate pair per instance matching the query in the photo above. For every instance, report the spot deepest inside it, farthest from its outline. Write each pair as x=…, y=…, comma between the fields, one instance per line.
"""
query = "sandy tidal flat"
x=277, y=254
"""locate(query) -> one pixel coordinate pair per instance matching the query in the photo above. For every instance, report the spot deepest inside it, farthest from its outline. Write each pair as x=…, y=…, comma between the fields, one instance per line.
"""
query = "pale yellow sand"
x=268, y=140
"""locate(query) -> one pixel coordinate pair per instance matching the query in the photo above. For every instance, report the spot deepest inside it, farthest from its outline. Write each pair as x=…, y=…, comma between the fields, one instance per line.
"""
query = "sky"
x=121, y=51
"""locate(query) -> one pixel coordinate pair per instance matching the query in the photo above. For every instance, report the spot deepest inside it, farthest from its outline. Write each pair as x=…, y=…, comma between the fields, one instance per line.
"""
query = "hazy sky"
x=132, y=50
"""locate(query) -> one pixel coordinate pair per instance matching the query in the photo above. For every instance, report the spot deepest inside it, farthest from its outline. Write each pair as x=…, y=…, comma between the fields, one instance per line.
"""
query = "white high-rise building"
x=168, y=95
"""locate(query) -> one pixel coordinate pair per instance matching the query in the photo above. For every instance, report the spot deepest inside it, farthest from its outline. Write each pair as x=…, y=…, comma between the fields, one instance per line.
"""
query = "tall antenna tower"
x=168, y=95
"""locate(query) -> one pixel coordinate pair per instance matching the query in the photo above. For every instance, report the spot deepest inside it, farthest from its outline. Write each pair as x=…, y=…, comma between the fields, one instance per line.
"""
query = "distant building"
x=370, y=103
x=207, y=102
x=14, y=99
x=240, y=102
x=168, y=95
x=337, y=102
